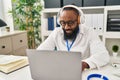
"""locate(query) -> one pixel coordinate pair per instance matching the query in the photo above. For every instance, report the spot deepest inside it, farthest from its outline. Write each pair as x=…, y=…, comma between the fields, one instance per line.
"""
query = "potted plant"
x=115, y=49
x=27, y=16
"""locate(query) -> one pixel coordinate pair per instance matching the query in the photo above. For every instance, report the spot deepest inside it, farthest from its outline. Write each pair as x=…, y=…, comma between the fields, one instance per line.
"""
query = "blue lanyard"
x=69, y=47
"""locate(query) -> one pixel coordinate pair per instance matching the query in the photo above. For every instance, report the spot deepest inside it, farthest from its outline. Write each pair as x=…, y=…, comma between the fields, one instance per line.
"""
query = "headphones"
x=81, y=19
x=97, y=76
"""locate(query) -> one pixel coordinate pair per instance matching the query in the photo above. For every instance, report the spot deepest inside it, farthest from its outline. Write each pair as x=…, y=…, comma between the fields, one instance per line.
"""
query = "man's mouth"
x=68, y=31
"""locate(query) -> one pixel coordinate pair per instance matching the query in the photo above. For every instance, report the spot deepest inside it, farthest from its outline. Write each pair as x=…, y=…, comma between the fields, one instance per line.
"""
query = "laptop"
x=54, y=65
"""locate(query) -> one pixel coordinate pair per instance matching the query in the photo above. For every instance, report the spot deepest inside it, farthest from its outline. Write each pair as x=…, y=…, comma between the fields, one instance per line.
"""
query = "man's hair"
x=71, y=8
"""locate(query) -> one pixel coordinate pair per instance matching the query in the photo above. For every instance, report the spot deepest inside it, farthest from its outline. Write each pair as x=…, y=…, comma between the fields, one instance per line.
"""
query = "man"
x=73, y=35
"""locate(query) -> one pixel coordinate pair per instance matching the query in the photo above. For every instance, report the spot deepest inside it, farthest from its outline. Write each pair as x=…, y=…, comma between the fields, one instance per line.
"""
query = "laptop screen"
x=54, y=65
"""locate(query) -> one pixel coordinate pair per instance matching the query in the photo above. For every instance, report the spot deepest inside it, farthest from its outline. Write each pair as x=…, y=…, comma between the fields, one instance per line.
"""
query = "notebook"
x=11, y=63
x=54, y=65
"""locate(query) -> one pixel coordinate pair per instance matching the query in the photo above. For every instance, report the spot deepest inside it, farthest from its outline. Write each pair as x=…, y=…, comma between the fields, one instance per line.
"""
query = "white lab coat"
x=87, y=42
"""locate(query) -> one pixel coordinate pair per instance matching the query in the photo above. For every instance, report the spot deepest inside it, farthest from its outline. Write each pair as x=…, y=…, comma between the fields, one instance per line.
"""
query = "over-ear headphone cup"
x=58, y=21
x=81, y=19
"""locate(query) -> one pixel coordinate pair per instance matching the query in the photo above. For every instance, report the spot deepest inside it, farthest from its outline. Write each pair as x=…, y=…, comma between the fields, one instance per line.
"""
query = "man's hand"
x=85, y=66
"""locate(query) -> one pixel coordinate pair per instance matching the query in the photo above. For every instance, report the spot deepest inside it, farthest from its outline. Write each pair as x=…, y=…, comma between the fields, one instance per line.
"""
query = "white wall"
x=7, y=17
x=1, y=10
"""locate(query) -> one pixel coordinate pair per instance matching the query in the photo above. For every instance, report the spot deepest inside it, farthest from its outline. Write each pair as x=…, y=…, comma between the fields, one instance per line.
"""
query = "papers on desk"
x=9, y=63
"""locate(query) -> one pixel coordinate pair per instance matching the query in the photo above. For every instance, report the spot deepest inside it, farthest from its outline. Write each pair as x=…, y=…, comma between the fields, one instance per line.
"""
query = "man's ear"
x=78, y=19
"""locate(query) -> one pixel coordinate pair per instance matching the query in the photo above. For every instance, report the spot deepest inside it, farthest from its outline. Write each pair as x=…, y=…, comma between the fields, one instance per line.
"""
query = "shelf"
x=85, y=10
x=117, y=7
x=5, y=34
x=108, y=37
x=51, y=10
x=112, y=35
x=92, y=10
x=110, y=42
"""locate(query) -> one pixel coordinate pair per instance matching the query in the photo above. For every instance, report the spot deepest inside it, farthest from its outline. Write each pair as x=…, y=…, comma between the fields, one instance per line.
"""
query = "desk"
x=111, y=72
x=21, y=74
x=24, y=73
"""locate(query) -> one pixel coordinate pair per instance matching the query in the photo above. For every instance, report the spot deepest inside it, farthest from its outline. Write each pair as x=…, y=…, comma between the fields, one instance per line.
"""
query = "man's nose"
x=67, y=26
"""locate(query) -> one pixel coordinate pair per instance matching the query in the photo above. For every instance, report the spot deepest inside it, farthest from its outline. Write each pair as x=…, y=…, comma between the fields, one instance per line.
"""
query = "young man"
x=73, y=35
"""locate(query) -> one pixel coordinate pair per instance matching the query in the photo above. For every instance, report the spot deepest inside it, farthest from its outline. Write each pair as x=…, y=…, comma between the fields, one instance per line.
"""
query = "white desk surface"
x=24, y=73
x=113, y=73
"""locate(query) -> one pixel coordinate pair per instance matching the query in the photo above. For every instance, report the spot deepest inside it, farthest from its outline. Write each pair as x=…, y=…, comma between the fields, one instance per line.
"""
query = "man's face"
x=69, y=22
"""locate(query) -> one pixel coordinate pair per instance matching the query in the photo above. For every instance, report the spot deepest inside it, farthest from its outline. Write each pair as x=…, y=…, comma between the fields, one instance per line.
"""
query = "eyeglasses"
x=69, y=23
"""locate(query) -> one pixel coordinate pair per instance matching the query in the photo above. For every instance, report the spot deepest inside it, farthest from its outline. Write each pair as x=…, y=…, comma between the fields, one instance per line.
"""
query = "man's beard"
x=71, y=35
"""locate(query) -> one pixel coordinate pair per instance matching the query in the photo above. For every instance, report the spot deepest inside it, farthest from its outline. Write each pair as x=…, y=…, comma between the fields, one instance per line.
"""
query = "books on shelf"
x=96, y=21
x=52, y=23
x=113, y=22
x=10, y=63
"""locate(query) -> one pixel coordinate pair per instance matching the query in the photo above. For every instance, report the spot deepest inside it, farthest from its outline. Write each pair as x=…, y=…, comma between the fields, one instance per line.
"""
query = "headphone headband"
x=75, y=7
x=82, y=18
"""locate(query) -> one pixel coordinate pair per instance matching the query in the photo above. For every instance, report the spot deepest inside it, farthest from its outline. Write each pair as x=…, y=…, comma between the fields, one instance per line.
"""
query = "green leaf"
x=27, y=16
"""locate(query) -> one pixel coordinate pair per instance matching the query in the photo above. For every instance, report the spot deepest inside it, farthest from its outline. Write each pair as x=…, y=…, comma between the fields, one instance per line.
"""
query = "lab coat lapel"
x=79, y=35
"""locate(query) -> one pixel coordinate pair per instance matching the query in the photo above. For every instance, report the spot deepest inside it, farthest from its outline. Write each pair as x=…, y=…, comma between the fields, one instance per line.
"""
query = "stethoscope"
x=99, y=76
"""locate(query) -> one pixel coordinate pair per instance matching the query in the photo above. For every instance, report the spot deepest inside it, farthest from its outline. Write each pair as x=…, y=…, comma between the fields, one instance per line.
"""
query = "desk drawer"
x=21, y=51
x=19, y=41
x=5, y=45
